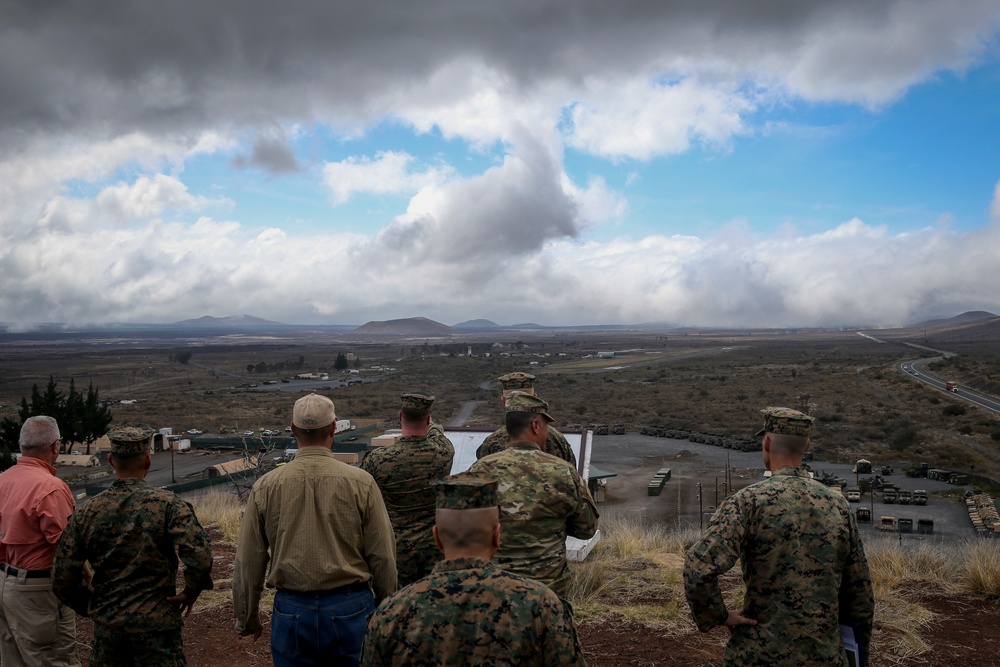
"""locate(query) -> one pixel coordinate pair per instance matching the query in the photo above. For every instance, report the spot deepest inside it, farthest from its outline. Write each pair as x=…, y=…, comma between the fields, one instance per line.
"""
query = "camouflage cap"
x=785, y=421
x=520, y=401
x=415, y=401
x=131, y=439
x=313, y=411
x=466, y=491
x=517, y=381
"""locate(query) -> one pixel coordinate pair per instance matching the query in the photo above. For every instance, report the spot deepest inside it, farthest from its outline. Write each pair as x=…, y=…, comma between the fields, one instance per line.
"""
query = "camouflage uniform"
x=542, y=500
x=405, y=473
x=804, y=567
x=555, y=444
x=470, y=612
x=131, y=534
x=436, y=434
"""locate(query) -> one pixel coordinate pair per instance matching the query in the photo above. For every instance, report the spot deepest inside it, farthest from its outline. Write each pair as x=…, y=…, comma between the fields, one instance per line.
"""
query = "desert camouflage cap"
x=517, y=380
x=520, y=401
x=786, y=421
x=415, y=401
x=130, y=439
x=466, y=491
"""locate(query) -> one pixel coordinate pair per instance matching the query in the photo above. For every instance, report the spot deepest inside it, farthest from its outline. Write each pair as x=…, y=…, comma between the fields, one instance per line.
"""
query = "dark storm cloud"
x=272, y=154
x=113, y=67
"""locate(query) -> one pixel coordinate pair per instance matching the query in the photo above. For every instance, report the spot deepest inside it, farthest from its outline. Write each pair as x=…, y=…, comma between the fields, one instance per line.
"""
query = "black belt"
x=356, y=587
x=29, y=574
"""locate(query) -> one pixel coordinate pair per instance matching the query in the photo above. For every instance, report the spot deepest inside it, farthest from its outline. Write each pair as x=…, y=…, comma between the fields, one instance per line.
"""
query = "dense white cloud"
x=165, y=271
x=389, y=172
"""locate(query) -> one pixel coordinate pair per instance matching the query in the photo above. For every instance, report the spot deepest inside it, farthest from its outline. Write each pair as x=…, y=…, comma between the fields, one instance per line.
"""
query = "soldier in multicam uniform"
x=542, y=498
x=131, y=534
x=803, y=562
x=405, y=473
x=469, y=611
x=555, y=442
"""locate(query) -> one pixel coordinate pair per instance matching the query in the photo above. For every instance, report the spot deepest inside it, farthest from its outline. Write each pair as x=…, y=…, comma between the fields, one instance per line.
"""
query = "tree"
x=341, y=362
x=80, y=418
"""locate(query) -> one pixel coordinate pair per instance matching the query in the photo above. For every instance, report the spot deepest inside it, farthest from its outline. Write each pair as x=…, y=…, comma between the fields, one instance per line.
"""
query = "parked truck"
x=904, y=497
x=887, y=523
x=888, y=494
x=920, y=497
x=853, y=494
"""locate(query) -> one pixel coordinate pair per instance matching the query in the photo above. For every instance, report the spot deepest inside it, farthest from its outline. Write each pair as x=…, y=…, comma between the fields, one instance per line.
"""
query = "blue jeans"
x=313, y=629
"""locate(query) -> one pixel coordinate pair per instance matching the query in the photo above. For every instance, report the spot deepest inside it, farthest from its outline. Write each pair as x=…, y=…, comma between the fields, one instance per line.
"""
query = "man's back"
x=555, y=444
x=803, y=565
x=34, y=505
x=130, y=535
x=470, y=612
x=318, y=517
x=405, y=473
x=542, y=500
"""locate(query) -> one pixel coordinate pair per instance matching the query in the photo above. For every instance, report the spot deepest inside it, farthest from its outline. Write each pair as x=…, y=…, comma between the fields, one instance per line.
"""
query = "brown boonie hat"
x=517, y=380
x=785, y=421
x=520, y=401
x=131, y=439
x=466, y=491
x=415, y=401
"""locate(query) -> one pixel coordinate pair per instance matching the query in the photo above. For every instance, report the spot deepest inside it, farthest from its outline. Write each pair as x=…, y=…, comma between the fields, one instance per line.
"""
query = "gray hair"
x=38, y=433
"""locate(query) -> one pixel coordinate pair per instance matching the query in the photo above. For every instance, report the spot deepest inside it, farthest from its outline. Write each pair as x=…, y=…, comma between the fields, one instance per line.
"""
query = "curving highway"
x=914, y=370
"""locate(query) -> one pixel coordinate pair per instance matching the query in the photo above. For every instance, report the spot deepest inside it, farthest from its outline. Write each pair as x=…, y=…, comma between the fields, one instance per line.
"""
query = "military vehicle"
x=938, y=474
x=925, y=526
x=904, y=525
x=862, y=467
x=958, y=479
x=904, y=497
x=888, y=494
x=886, y=470
x=920, y=497
x=863, y=514
x=887, y=523
x=853, y=494
x=919, y=470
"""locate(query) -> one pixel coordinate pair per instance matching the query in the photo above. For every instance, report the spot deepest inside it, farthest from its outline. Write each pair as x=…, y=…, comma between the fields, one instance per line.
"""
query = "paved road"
x=914, y=368
x=464, y=413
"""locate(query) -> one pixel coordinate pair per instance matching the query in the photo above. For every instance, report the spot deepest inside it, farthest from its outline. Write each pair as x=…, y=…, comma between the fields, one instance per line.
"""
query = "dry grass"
x=634, y=575
x=222, y=509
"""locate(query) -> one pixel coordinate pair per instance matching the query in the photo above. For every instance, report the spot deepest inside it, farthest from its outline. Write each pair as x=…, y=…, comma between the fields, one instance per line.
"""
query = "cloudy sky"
x=763, y=163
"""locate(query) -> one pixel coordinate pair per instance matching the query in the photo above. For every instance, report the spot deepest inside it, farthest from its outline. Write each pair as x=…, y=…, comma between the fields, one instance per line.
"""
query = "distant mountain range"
x=235, y=321
x=964, y=318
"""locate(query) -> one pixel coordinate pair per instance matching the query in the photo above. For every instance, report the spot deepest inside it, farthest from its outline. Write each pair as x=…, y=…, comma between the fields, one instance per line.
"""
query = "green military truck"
x=920, y=497
x=904, y=497
x=889, y=494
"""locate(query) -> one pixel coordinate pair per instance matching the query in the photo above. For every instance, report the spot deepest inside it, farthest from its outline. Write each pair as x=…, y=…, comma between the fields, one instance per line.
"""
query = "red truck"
x=951, y=385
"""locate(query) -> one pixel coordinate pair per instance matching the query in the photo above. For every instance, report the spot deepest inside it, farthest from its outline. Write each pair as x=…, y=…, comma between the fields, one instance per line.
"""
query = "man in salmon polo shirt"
x=36, y=629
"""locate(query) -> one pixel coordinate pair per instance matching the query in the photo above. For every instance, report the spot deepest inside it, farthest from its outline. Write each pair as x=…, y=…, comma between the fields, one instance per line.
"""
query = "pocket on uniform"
x=284, y=633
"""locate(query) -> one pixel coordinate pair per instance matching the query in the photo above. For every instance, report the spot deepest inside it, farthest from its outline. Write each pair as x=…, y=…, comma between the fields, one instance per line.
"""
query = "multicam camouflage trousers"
x=121, y=647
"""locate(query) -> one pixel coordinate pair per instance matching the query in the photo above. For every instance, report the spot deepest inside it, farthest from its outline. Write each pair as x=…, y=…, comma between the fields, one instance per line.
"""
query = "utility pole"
x=701, y=512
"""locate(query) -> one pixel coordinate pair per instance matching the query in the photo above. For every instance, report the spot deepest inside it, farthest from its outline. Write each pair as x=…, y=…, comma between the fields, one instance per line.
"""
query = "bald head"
x=468, y=532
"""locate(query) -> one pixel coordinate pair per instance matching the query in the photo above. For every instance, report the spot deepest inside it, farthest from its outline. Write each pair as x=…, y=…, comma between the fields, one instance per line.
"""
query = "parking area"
x=698, y=482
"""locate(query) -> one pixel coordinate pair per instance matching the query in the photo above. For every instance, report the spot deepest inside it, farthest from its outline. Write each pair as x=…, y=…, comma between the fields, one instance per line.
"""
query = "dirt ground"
x=964, y=632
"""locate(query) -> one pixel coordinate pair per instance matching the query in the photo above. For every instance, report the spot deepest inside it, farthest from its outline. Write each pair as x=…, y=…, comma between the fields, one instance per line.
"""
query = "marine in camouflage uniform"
x=542, y=498
x=802, y=559
x=469, y=611
x=131, y=534
x=555, y=442
x=405, y=473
